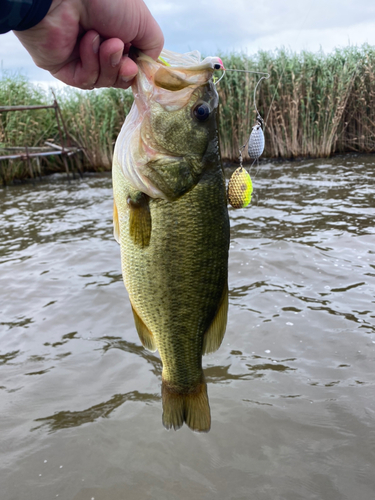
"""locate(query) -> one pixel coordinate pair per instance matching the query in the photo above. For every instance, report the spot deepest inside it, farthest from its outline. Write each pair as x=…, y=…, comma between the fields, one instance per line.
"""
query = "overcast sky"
x=222, y=26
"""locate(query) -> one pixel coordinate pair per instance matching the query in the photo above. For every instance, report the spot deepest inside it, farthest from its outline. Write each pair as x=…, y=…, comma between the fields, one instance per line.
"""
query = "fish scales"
x=184, y=270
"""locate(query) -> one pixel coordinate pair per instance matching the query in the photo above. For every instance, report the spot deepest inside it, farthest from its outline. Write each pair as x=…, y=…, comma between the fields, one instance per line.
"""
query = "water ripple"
x=291, y=388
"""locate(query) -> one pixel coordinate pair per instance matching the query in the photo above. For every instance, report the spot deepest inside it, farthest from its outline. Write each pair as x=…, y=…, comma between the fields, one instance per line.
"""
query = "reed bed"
x=314, y=105
x=31, y=128
x=94, y=120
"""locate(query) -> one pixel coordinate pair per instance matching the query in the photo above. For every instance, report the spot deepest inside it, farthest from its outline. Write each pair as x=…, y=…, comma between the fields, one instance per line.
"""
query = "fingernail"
x=96, y=44
x=116, y=58
x=127, y=79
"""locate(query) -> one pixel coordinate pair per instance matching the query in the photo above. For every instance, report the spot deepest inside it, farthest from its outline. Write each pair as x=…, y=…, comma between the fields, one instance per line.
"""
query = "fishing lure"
x=255, y=146
x=240, y=185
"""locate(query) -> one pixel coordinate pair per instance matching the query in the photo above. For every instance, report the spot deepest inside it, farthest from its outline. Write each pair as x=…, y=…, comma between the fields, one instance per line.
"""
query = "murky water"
x=292, y=389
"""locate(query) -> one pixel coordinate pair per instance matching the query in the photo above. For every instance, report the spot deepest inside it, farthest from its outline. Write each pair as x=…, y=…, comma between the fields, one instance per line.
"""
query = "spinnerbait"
x=240, y=186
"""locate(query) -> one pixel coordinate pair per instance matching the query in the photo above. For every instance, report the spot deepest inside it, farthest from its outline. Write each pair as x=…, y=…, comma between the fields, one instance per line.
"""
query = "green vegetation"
x=93, y=121
x=313, y=104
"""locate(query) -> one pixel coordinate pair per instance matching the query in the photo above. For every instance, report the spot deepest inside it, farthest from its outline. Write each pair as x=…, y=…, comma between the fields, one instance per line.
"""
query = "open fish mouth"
x=167, y=94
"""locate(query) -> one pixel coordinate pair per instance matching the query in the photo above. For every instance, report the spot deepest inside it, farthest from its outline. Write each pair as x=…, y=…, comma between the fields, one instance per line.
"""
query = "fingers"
x=87, y=68
x=116, y=70
x=83, y=71
x=129, y=20
x=127, y=71
x=98, y=64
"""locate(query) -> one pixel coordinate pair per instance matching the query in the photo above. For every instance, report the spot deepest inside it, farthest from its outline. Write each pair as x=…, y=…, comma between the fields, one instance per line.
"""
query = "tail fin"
x=192, y=408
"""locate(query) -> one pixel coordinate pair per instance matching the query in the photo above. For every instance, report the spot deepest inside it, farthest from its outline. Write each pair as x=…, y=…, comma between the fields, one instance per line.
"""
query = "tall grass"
x=313, y=105
x=29, y=128
x=94, y=120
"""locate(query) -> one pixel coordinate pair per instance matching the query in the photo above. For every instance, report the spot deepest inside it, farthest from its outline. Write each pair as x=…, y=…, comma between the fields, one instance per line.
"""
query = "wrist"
x=22, y=15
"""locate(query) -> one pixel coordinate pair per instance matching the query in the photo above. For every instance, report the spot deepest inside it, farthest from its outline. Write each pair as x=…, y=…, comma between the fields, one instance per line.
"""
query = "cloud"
x=230, y=25
x=14, y=58
x=315, y=39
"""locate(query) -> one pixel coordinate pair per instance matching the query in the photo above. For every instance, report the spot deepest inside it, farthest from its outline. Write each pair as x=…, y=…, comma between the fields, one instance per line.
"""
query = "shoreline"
x=227, y=164
x=314, y=105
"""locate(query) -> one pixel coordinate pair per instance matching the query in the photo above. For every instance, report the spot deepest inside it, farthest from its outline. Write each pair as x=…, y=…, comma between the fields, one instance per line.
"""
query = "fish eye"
x=202, y=111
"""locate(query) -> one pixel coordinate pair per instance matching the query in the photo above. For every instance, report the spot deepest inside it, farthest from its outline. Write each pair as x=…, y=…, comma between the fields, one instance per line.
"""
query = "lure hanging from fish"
x=240, y=185
x=255, y=146
x=240, y=188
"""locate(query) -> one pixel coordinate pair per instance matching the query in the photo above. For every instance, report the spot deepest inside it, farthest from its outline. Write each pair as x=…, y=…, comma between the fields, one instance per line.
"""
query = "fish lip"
x=207, y=64
x=192, y=76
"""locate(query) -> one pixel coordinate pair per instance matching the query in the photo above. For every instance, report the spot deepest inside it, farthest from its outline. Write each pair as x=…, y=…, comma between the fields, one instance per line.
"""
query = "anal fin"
x=145, y=336
x=140, y=220
x=214, y=335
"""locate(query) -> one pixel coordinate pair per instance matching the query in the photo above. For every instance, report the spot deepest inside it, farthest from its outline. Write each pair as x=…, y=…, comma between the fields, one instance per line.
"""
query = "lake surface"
x=292, y=388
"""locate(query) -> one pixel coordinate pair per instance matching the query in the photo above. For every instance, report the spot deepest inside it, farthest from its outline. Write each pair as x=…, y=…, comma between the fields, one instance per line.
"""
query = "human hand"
x=84, y=43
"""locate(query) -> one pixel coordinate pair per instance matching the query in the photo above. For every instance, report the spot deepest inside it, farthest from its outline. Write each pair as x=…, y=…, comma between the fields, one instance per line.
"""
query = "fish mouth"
x=170, y=85
x=173, y=82
x=188, y=61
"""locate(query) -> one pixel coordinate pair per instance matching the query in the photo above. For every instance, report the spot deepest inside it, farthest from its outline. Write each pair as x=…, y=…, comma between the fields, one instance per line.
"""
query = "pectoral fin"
x=144, y=333
x=214, y=335
x=140, y=219
x=116, y=225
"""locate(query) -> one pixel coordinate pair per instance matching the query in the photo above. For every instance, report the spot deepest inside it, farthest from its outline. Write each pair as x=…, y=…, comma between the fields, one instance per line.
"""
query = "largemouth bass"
x=171, y=220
